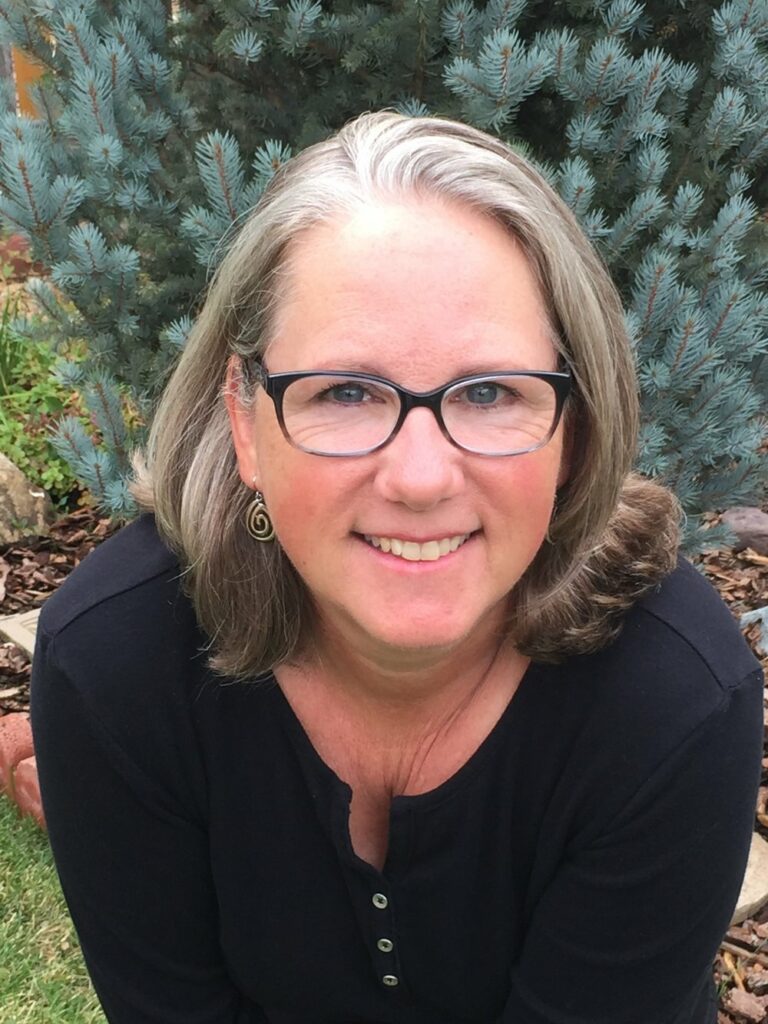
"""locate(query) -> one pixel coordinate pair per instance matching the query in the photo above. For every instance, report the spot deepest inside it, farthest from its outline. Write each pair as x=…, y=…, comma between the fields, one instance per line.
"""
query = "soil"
x=31, y=571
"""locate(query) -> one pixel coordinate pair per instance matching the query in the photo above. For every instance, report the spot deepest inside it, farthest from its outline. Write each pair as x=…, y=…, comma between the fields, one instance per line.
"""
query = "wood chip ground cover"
x=30, y=572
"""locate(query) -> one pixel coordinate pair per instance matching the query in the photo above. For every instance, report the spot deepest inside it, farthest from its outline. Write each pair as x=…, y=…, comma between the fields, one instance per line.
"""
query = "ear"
x=242, y=425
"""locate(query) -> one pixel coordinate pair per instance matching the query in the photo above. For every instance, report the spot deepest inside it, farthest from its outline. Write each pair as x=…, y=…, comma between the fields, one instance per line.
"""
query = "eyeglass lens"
x=506, y=414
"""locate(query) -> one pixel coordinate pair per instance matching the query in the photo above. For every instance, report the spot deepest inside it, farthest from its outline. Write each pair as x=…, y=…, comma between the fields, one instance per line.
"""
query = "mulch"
x=31, y=571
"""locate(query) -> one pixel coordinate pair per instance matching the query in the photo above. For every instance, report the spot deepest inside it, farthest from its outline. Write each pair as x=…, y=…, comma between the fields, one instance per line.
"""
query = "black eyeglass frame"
x=276, y=384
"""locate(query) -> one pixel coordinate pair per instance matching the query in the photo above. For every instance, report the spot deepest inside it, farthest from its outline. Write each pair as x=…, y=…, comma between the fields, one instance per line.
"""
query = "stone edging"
x=18, y=767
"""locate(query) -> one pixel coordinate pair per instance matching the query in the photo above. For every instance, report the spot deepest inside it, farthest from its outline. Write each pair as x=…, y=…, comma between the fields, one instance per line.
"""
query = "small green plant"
x=32, y=401
x=11, y=346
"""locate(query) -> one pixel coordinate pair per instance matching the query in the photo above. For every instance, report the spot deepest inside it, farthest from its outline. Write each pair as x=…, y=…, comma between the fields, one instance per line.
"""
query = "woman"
x=397, y=708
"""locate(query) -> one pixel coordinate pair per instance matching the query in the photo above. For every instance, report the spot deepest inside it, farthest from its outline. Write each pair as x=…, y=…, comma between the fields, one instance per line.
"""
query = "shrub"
x=157, y=134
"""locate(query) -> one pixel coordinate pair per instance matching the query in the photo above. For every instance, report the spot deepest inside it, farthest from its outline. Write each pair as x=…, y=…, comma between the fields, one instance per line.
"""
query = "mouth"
x=413, y=551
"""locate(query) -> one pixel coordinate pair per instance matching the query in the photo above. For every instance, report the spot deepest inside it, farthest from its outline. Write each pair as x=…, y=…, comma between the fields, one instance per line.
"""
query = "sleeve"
x=134, y=869
x=627, y=930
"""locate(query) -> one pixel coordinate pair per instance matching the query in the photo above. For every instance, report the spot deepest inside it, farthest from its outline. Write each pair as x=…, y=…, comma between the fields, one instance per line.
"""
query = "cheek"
x=529, y=500
x=536, y=474
x=307, y=502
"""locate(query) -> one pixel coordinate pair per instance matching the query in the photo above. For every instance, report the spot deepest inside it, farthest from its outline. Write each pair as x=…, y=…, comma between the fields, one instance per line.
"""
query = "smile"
x=412, y=551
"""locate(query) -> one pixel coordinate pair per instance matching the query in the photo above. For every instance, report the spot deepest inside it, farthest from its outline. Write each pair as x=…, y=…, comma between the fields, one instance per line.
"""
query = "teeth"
x=430, y=551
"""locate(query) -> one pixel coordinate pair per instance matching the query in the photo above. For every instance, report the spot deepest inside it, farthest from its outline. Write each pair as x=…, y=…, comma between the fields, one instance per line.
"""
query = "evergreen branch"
x=89, y=248
x=30, y=44
x=724, y=316
x=506, y=52
x=757, y=144
x=73, y=192
x=659, y=273
x=70, y=436
x=95, y=469
x=113, y=70
x=93, y=95
x=71, y=29
x=689, y=329
x=212, y=150
x=98, y=395
x=728, y=113
x=461, y=76
x=607, y=64
x=21, y=164
x=42, y=98
x=655, y=73
x=561, y=53
x=6, y=215
x=501, y=14
x=643, y=211
x=744, y=212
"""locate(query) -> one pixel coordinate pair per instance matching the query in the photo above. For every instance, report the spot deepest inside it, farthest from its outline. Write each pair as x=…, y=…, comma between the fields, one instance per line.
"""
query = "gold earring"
x=257, y=521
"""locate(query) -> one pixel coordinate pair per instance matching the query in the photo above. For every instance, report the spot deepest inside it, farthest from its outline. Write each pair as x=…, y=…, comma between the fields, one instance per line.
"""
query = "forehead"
x=411, y=289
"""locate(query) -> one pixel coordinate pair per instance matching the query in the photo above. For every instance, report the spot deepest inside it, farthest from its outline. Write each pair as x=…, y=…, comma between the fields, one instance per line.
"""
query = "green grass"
x=42, y=976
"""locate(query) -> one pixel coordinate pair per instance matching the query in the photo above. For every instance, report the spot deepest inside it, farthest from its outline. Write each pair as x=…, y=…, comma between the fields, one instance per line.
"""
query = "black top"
x=580, y=868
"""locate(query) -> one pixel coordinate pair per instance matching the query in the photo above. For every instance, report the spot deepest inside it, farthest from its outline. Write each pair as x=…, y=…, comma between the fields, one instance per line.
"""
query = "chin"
x=434, y=631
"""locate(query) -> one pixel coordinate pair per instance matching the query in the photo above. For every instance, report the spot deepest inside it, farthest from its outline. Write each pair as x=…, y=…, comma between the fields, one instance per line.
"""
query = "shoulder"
x=679, y=648
x=120, y=623
x=686, y=615
x=119, y=652
x=127, y=565
x=679, y=686
x=679, y=661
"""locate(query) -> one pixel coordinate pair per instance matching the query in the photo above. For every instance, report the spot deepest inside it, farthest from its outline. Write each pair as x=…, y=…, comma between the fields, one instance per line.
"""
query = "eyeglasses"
x=341, y=414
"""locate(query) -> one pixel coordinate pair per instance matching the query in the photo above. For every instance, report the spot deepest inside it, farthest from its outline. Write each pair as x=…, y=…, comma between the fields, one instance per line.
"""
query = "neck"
x=406, y=690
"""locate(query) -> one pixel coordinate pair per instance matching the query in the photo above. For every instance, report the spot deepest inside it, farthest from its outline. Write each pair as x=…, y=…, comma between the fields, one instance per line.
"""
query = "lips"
x=413, y=551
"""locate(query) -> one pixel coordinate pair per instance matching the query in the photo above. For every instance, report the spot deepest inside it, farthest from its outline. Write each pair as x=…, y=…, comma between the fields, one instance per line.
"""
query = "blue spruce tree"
x=159, y=130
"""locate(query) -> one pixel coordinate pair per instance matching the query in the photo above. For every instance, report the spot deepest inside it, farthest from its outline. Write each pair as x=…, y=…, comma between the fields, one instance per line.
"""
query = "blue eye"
x=348, y=393
x=485, y=393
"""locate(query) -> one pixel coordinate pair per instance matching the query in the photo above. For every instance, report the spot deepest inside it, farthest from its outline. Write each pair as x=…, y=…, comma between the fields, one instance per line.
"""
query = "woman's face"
x=419, y=293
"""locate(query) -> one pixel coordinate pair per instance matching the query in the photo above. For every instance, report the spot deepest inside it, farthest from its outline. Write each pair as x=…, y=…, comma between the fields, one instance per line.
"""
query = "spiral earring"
x=257, y=521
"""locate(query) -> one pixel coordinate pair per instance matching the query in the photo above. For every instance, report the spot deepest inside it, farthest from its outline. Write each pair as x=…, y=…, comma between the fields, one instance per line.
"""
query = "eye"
x=486, y=392
x=349, y=393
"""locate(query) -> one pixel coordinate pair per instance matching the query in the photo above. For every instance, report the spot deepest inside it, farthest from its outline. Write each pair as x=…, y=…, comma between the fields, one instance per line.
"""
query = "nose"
x=420, y=468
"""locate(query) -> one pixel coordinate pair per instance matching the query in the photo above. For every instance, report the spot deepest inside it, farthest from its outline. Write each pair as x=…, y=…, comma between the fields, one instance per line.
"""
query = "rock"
x=25, y=510
x=26, y=790
x=750, y=525
x=746, y=1005
x=754, y=889
x=15, y=746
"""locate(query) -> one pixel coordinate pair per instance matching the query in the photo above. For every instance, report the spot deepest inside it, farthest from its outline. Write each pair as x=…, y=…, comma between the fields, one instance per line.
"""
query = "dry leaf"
x=4, y=570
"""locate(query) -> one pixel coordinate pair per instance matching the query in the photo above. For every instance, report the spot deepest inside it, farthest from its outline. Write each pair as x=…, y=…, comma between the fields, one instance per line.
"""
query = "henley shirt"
x=580, y=868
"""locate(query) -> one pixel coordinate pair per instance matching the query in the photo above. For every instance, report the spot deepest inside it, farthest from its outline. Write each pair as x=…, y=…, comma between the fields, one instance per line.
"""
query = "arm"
x=133, y=866
x=627, y=930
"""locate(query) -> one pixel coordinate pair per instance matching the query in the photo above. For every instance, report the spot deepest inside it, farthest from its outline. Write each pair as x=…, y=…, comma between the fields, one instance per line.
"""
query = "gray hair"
x=613, y=535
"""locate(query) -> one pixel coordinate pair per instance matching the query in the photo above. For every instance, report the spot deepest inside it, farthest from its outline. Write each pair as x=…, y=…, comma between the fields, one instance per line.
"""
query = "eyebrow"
x=469, y=370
